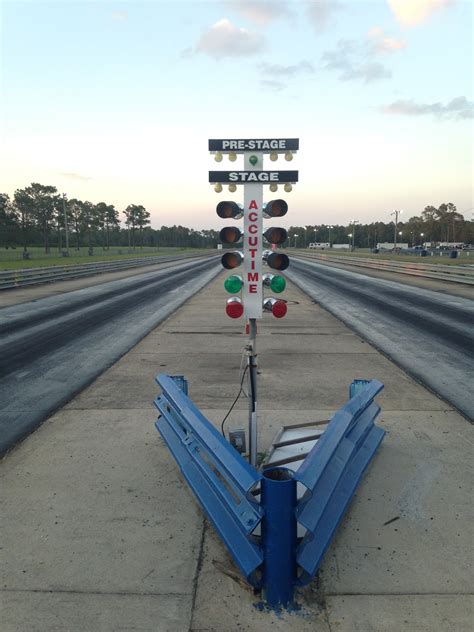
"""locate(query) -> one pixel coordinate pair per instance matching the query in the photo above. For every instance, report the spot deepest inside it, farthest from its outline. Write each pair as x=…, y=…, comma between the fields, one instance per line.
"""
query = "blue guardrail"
x=227, y=487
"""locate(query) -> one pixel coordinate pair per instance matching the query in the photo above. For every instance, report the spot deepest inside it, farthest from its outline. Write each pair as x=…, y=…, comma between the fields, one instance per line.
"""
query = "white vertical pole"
x=253, y=249
x=253, y=286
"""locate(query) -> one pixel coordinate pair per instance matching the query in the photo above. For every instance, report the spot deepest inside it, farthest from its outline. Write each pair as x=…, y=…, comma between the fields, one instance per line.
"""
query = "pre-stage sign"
x=253, y=177
x=254, y=144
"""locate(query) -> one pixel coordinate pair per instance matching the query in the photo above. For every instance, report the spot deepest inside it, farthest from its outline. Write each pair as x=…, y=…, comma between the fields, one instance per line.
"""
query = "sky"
x=115, y=102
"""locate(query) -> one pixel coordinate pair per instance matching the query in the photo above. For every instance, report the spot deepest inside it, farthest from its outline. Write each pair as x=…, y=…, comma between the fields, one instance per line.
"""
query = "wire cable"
x=240, y=370
x=235, y=401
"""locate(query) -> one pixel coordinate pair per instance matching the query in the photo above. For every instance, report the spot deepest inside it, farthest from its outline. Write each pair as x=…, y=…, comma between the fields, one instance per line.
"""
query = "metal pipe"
x=252, y=379
x=279, y=536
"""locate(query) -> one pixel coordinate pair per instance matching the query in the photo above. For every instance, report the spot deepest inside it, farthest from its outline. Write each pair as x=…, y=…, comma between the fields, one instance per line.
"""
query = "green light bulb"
x=278, y=284
x=233, y=284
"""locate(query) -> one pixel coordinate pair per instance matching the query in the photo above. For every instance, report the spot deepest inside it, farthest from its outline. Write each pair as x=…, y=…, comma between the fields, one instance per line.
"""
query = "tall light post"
x=396, y=213
x=350, y=236
x=89, y=227
x=65, y=225
x=330, y=235
x=421, y=240
x=296, y=237
x=353, y=223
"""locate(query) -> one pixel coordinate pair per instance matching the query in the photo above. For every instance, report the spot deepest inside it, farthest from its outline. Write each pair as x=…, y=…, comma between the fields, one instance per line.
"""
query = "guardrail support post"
x=279, y=536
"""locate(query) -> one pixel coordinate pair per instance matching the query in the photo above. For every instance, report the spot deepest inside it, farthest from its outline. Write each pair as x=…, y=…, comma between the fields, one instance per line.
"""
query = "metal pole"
x=395, y=233
x=279, y=536
x=65, y=223
x=252, y=389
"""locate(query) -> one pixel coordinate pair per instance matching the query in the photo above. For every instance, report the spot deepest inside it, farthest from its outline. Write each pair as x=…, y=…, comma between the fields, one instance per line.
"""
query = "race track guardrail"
x=455, y=273
x=221, y=479
x=262, y=536
x=33, y=276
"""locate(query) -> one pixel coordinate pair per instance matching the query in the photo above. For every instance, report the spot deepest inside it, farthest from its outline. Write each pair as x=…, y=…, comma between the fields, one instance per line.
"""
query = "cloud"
x=260, y=11
x=75, y=176
x=412, y=12
x=389, y=45
x=457, y=109
x=120, y=16
x=375, y=31
x=321, y=13
x=287, y=71
x=276, y=86
x=353, y=62
x=383, y=44
x=223, y=39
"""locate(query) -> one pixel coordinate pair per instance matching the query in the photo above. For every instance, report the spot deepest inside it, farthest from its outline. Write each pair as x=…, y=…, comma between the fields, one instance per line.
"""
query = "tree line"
x=435, y=224
x=38, y=214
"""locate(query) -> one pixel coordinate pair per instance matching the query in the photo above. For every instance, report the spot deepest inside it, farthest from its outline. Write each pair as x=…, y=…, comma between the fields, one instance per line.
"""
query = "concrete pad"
x=83, y=612
x=225, y=602
x=393, y=613
x=117, y=391
x=93, y=496
x=420, y=483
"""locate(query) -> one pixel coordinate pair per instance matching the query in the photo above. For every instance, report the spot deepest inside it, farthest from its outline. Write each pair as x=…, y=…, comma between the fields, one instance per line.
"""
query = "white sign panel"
x=253, y=249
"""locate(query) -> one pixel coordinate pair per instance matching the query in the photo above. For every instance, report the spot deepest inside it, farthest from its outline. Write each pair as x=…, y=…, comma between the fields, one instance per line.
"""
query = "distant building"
x=319, y=245
x=451, y=245
x=341, y=246
x=387, y=245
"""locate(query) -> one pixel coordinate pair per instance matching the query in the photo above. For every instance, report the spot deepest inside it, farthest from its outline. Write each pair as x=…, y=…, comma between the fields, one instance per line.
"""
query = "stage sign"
x=256, y=177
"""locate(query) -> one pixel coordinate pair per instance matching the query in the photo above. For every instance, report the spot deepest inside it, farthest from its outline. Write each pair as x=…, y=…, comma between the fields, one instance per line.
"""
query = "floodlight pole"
x=396, y=213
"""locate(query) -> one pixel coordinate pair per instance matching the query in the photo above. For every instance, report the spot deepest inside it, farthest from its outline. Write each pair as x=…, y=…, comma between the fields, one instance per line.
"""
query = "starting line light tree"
x=251, y=283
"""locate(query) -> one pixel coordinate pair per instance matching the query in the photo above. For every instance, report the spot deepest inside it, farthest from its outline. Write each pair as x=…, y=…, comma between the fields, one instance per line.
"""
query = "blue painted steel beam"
x=279, y=536
x=313, y=502
x=332, y=471
x=315, y=463
x=223, y=481
x=238, y=469
x=311, y=550
x=214, y=471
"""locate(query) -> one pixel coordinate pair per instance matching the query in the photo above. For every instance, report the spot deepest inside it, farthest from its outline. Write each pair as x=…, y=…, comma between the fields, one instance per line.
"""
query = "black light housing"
x=278, y=261
x=275, y=208
x=232, y=259
x=227, y=210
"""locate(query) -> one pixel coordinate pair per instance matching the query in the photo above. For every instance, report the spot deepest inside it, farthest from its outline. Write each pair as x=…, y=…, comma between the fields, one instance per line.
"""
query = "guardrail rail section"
x=10, y=279
x=455, y=274
x=262, y=536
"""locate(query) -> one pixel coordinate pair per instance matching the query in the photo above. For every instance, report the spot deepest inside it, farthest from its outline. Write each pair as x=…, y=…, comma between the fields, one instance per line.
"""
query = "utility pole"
x=65, y=225
x=396, y=213
x=353, y=222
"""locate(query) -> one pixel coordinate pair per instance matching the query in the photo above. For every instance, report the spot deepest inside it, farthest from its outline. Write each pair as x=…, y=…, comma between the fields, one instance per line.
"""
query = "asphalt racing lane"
x=429, y=334
x=52, y=348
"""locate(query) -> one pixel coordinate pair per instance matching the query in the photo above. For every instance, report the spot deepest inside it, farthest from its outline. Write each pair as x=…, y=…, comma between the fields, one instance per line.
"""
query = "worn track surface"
x=52, y=348
x=429, y=334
